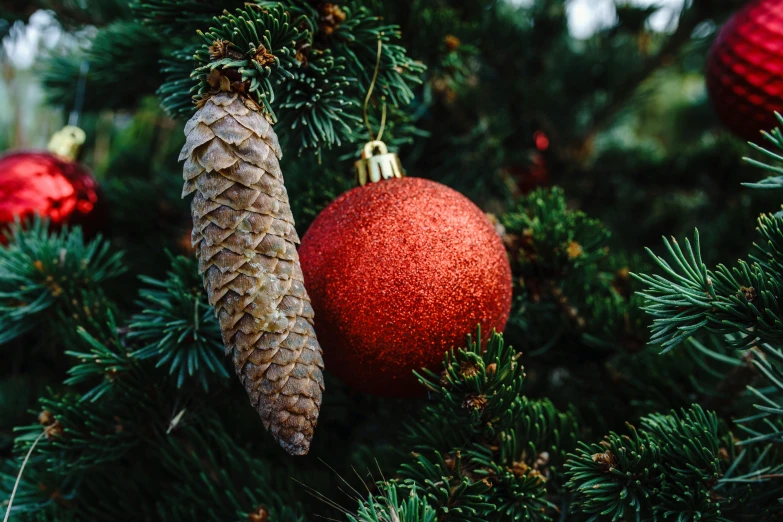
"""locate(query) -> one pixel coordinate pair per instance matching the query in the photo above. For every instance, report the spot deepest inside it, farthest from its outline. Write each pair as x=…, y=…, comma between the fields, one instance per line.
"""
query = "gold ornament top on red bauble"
x=745, y=69
x=400, y=271
x=49, y=184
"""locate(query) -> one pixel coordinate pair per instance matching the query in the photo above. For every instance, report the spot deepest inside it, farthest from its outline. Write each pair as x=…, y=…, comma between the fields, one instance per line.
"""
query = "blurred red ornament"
x=51, y=186
x=541, y=139
x=745, y=69
x=400, y=271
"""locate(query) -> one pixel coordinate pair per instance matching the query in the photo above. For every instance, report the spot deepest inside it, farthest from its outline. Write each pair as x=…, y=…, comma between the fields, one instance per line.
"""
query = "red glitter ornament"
x=400, y=271
x=48, y=185
x=745, y=69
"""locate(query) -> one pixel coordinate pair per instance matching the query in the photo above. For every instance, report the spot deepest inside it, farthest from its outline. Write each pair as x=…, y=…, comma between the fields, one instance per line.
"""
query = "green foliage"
x=391, y=508
x=544, y=217
x=742, y=300
x=567, y=279
x=683, y=464
x=706, y=371
x=260, y=45
x=39, y=491
x=617, y=478
x=285, y=60
x=742, y=304
x=121, y=50
x=81, y=434
x=775, y=137
x=311, y=193
x=119, y=418
x=102, y=363
x=218, y=479
x=48, y=277
x=179, y=18
x=315, y=106
x=177, y=90
x=178, y=327
x=483, y=451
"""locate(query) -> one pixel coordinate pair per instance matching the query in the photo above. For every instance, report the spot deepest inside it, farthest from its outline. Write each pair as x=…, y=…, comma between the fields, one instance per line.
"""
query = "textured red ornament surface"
x=745, y=69
x=398, y=272
x=53, y=187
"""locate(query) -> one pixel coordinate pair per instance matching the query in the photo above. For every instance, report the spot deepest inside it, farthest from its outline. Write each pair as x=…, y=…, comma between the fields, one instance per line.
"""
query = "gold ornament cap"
x=67, y=141
x=377, y=163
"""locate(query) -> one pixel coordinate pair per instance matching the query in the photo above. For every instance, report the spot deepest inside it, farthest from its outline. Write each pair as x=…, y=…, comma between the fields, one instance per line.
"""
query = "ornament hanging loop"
x=377, y=162
x=67, y=141
x=375, y=167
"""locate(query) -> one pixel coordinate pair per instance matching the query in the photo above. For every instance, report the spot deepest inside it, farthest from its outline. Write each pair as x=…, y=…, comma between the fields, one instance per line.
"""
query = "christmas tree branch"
x=48, y=277
x=178, y=328
x=743, y=300
x=482, y=451
x=119, y=51
x=683, y=462
x=560, y=259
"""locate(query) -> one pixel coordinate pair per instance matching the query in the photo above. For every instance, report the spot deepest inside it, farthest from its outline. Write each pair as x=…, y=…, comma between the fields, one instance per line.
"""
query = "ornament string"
x=19, y=476
x=369, y=94
x=81, y=87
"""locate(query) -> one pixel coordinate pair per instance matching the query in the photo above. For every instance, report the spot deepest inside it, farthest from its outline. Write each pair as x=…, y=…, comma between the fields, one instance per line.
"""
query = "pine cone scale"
x=244, y=235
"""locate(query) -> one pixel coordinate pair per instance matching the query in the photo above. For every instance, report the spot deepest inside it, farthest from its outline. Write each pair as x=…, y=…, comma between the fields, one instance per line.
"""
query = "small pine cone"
x=244, y=236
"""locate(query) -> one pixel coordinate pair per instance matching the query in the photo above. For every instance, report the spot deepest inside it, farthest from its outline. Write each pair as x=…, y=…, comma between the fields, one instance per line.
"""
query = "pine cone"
x=244, y=236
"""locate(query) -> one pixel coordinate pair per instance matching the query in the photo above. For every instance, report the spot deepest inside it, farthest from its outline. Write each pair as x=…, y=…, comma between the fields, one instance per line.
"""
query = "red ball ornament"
x=400, y=271
x=745, y=69
x=49, y=185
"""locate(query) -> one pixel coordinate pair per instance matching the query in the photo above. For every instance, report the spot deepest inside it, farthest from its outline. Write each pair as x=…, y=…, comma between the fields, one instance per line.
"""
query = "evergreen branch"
x=178, y=327
x=766, y=425
x=481, y=387
x=351, y=32
x=248, y=51
x=743, y=304
x=103, y=363
x=179, y=18
x=482, y=450
x=318, y=111
x=447, y=481
x=41, y=273
x=217, y=479
x=177, y=90
x=40, y=491
x=391, y=507
x=707, y=371
x=775, y=137
x=617, y=478
x=552, y=236
x=690, y=440
x=743, y=300
x=357, y=38
x=560, y=259
x=320, y=70
x=80, y=435
x=683, y=463
x=118, y=52
x=309, y=195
